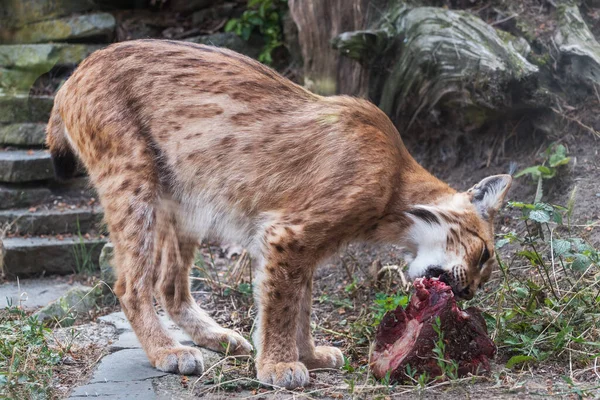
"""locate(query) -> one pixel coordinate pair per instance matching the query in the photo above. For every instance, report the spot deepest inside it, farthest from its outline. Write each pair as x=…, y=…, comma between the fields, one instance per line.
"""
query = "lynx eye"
x=485, y=256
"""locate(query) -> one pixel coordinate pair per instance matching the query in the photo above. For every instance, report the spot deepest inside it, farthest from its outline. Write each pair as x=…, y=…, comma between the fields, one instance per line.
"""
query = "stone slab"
x=25, y=134
x=62, y=29
x=141, y=390
x=52, y=221
x=125, y=365
x=127, y=374
x=15, y=80
x=42, y=57
x=76, y=302
x=24, y=108
x=13, y=196
x=21, y=12
x=25, y=166
x=36, y=255
x=33, y=293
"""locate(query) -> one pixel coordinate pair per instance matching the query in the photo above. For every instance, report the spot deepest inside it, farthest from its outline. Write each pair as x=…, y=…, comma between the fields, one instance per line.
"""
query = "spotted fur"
x=185, y=141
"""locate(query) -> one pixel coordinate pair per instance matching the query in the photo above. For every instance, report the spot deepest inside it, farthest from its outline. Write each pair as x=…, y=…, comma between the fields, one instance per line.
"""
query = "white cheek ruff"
x=430, y=239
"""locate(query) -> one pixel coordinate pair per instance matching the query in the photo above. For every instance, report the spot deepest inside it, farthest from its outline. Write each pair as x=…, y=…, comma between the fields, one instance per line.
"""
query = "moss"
x=541, y=60
x=16, y=81
x=16, y=13
x=81, y=26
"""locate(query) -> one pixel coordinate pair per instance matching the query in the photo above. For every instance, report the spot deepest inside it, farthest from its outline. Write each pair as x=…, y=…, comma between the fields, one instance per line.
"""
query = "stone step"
x=93, y=25
x=17, y=196
x=25, y=166
x=22, y=107
x=40, y=221
x=38, y=255
x=20, y=12
x=24, y=134
x=42, y=57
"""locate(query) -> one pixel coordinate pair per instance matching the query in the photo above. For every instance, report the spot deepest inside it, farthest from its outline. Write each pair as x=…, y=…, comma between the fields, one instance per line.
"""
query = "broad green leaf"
x=246, y=31
x=502, y=242
x=544, y=170
x=580, y=262
x=533, y=171
x=540, y=216
x=544, y=206
x=521, y=292
x=557, y=217
x=255, y=20
x=561, y=247
x=231, y=24
x=559, y=162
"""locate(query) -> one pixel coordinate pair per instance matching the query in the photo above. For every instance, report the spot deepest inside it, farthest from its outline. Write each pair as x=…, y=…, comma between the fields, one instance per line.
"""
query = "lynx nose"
x=434, y=271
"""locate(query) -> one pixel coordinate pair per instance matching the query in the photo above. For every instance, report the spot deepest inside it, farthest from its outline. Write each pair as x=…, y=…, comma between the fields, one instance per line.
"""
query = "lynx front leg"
x=310, y=355
x=279, y=292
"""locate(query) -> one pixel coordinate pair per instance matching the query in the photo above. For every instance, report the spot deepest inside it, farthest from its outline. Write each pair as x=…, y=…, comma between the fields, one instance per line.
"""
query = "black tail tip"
x=65, y=165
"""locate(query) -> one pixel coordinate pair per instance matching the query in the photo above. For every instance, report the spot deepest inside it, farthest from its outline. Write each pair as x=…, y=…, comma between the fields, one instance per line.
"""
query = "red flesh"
x=406, y=337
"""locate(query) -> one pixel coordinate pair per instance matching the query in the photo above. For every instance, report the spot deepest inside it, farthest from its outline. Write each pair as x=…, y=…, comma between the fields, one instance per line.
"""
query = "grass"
x=26, y=360
x=84, y=262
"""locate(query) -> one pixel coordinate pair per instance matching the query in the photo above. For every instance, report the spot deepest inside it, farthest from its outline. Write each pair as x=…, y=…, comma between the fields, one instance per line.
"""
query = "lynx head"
x=453, y=239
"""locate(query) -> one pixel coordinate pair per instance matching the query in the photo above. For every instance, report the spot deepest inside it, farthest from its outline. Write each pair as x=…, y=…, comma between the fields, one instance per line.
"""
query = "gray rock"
x=123, y=373
x=14, y=80
x=231, y=41
x=125, y=365
x=213, y=13
x=15, y=196
x=579, y=50
x=140, y=390
x=36, y=255
x=23, y=166
x=447, y=59
x=2, y=261
x=24, y=108
x=107, y=272
x=52, y=221
x=20, y=12
x=33, y=293
x=42, y=57
x=189, y=5
x=26, y=134
x=118, y=320
x=62, y=29
x=77, y=302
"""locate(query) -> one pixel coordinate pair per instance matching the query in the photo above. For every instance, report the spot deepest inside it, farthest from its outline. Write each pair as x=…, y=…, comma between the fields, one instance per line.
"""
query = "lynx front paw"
x=224, y=341
x=289, y=375
x=324, y=357
x=183, y=360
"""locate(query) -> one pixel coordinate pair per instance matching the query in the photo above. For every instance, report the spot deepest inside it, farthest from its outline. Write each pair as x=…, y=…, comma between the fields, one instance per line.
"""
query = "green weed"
x=264, y=16
x=84, y=262
x=26, y=361
x=384, y=303
x=449, y=368
x=547, y=307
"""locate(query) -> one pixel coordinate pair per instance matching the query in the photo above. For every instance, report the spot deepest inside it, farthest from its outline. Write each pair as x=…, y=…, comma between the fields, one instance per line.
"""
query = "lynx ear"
x=487, y=196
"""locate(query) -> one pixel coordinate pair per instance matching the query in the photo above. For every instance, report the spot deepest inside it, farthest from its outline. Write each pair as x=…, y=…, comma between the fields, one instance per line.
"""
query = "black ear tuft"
x=425, y=215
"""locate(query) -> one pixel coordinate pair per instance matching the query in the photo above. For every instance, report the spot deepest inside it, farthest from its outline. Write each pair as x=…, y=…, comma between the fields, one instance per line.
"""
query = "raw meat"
x=407, y=337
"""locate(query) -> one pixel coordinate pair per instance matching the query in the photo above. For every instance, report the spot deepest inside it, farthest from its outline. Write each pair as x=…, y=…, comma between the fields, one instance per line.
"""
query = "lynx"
x=185, y=141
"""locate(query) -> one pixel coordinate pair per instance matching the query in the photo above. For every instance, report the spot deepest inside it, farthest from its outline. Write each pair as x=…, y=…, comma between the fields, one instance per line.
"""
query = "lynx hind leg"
x=314, y=357
x=133, y=236
x=173, y=291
